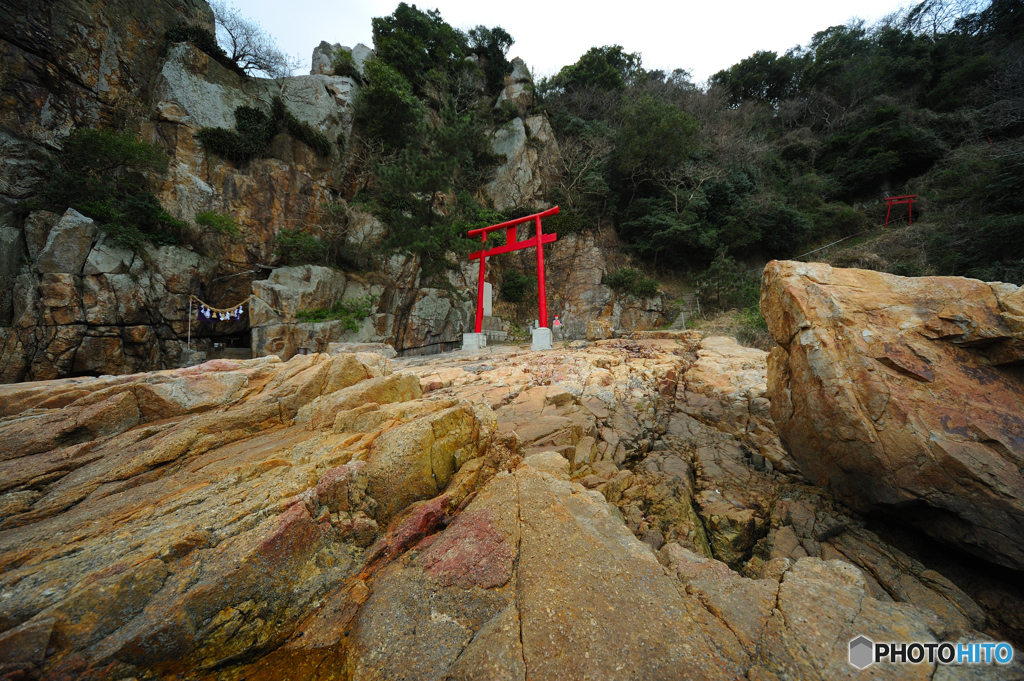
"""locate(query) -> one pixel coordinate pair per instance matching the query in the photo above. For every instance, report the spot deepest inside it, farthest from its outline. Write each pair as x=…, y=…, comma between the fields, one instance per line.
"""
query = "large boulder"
x=905, y=396
x=67, y=245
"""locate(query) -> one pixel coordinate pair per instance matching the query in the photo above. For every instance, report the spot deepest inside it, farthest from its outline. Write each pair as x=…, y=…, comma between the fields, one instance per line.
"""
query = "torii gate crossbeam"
x=513, y=244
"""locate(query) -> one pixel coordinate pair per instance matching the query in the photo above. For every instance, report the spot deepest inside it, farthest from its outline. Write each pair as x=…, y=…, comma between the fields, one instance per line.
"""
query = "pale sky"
x=704, y=36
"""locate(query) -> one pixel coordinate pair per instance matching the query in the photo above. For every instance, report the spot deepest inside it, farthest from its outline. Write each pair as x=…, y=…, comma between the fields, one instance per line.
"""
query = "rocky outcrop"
x=323, y=57
x=75, y=305
x=410, y=318
x=77, y=63
x=85, y=307
x=285, y=189
x=518, y=90
x=575, y=268
x=531, y=155
x=905, y=396
x=126, y=74
x=329, y=516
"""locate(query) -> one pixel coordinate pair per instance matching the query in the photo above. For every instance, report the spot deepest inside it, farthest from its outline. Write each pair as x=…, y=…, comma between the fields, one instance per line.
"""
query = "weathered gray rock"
x=105, y=258
x=289, y=290
x=518, y=94
x=360, y=53
x=10, y=268
x=520, y=72
x=67, y=245
x=323, y=57
x=37, y=229
x=406, y=317
x=520, y=180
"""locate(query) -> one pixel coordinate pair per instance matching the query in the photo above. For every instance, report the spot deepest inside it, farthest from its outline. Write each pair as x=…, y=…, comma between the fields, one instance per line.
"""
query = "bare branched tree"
x=684, y=182
x=1007, y=88
x=248, y=45
x=932, y=16
x=580, y=178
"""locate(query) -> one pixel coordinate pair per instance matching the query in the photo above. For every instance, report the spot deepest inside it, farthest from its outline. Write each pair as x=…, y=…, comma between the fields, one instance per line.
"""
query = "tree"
x=386, y=105
x=418, y=187
x=762, y=77
x=603, y=68
x=654, y=135
x=414, y=42
x=492, y=45
x=248, y=45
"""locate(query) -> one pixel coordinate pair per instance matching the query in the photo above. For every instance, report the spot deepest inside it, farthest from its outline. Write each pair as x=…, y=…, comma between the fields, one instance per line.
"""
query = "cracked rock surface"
x=623, y=509
x=905, y=395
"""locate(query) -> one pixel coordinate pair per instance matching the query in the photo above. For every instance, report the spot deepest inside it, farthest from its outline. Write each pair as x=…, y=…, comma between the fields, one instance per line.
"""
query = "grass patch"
x=348, y=312
x=222, y=223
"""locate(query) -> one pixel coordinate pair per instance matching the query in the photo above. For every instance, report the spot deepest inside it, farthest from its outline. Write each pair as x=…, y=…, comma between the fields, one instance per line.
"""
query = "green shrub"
x=296, y=247
x=516, y=286
x=782, y=229
x=727, y=285
x=102, y=174
x=565, y=223
x=205, y=41
x=348, y=312
x=300, y=130
x=255, y=130
x=222, y=223
x=632, y=282
x=345, y=65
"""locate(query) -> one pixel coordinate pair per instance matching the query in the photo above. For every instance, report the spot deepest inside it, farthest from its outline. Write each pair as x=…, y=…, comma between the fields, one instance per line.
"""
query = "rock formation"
x=905, y=396
x=86, y=308
x=508, y=515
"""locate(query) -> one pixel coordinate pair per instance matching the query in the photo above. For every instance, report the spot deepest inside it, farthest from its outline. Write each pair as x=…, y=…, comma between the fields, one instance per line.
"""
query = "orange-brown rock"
x=905, y=395
x=323, y=518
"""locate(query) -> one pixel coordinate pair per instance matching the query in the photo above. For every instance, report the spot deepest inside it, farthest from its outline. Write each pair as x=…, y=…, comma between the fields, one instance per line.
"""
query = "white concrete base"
x=541, y=339
x=474, y=341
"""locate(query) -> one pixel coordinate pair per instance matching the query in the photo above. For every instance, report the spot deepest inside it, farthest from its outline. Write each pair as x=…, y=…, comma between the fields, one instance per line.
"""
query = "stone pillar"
x=541, y=339
x=488, y=293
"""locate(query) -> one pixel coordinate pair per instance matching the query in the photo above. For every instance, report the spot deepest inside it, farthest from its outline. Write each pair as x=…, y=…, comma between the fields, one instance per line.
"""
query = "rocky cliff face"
x=86, y=307
x=575, y=267
x=905, y=396
x=507, y=515
x=71, y=64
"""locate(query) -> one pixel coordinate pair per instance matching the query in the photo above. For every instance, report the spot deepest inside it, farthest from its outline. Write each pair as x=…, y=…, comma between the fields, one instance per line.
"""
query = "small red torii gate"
x=513, y=244
x=898, y=200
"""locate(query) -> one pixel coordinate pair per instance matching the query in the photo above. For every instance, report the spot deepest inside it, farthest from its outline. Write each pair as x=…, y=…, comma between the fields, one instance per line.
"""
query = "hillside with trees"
x=782, y=153
x=773, y=157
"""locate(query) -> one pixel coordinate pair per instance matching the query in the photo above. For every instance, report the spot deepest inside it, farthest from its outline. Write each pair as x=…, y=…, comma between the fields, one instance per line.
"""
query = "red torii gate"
x=513, y=244
x=898, y=200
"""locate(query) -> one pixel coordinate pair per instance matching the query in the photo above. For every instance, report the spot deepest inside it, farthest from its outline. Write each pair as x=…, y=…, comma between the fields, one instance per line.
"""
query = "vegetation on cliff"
x=780, y=153
x=102, y=174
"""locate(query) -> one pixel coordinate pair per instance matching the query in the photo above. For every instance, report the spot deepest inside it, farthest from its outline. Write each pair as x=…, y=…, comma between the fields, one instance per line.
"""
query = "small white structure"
x=488, y=291
x=541, y=339
x=474, y=341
